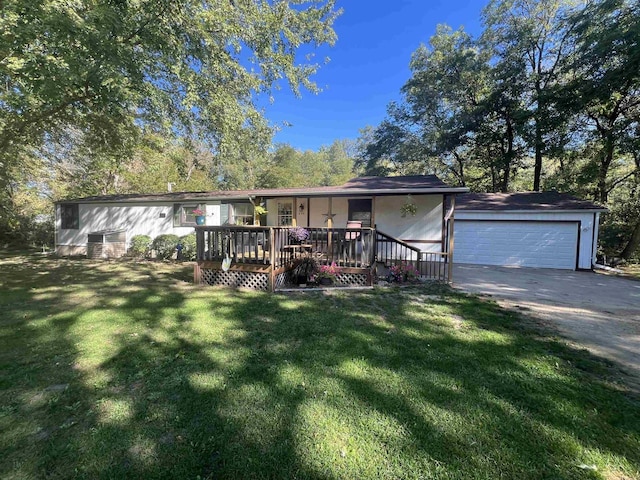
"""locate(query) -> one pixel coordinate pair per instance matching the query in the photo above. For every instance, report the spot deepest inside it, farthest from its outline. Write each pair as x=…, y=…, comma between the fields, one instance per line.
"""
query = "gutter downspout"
x=594, y=240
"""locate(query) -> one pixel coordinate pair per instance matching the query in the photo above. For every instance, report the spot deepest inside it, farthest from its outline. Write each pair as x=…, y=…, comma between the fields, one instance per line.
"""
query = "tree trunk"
x=537, y=169
x=605, y=163
x=633, y=243
x=507, y=158
x=494, y=181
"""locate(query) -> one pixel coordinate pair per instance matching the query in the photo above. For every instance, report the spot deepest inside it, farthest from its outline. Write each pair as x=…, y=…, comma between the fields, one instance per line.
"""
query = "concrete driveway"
x=598, y=312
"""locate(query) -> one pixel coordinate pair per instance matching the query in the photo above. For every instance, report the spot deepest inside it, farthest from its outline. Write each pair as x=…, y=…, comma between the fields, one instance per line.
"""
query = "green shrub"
x=188, y=243
x=165, y=245
x=140, y=246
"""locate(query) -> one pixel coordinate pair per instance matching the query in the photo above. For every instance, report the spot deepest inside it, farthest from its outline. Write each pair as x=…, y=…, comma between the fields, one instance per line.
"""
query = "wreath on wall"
x=408, y=208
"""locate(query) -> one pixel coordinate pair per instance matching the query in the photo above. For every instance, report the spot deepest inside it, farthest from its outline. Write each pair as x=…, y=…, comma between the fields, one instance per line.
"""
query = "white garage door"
x=521, y=243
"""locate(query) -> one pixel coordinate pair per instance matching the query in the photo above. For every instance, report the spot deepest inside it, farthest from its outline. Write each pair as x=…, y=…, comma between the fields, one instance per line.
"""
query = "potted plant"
x=306, y=269
x=200, y=216
x=328, y=274
x=403, y=272
x=258, y=211
x=297, y=235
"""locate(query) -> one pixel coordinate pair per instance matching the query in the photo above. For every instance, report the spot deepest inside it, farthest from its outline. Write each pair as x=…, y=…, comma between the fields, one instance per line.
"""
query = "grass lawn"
x=125, y=370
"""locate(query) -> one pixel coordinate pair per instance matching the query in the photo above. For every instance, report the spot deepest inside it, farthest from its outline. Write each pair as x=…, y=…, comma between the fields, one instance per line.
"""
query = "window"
x=285, y=214
x=183, y=215
x=243, y=213
x=70, y=216
x=236, y=214
x=360, y=210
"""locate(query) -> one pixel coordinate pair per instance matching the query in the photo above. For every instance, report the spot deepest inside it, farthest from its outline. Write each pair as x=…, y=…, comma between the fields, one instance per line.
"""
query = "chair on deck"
x=352, y=245
x=353, y=235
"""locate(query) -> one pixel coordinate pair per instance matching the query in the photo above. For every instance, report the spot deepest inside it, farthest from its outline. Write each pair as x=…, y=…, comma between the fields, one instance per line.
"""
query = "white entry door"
x=516, y=243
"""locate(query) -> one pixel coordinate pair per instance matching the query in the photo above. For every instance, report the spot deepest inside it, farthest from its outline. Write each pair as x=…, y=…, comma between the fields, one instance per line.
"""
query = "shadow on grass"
x=123, y=372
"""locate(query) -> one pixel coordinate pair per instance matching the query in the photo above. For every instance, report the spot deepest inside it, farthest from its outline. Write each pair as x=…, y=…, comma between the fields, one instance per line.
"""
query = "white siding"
x=317, y=208
x=425, y=225
x=301, y=218
x=550, y=223
x=340, y=207
x=136, y=219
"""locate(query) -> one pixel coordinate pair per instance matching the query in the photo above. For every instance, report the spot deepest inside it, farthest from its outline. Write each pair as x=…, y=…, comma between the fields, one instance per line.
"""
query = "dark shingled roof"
x=523, y=201
x=385, y=183
x=361, y=185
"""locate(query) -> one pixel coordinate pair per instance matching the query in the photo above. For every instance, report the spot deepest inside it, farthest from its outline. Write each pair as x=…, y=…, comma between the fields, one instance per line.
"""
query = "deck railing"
x=347, y=247
x=393, y=251
x=242, y=244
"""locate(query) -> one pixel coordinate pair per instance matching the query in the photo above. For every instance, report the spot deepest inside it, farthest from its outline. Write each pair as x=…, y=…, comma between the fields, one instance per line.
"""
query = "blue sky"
x=369, y=64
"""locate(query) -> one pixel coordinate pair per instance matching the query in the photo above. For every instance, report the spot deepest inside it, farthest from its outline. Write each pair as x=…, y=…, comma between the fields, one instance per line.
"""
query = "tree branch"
x=11, y=131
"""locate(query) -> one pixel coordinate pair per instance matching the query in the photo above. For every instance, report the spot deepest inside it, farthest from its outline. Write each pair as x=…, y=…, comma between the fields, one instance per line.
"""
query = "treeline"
x=547, y=97
x=153, y=164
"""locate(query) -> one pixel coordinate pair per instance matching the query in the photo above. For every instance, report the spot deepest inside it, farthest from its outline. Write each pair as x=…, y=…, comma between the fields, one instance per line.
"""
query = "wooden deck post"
x=272, y=260
x=450, y=252
x=199, y=244
x=197, y=273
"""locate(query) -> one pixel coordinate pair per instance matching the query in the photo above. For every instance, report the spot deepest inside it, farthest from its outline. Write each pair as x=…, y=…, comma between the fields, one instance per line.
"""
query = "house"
x=406, y=216
x=365, y=223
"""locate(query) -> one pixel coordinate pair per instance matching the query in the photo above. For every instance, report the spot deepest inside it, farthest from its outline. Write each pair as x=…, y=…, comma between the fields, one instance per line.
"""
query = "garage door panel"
x=521, y=243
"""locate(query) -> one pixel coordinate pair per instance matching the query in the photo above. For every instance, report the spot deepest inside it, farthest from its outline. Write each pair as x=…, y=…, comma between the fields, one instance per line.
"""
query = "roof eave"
x=386, y=191
x=534, y=210
x=301, y=193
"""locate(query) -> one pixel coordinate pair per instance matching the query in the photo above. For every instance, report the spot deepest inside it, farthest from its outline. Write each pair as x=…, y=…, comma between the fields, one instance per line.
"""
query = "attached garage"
x=533, y=229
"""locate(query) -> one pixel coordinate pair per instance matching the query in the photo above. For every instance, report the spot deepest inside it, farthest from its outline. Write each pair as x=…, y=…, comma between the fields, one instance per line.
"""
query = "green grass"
x=125, y=370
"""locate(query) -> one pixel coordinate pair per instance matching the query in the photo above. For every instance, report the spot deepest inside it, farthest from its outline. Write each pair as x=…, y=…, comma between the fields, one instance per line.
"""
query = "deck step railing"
x=393, y=251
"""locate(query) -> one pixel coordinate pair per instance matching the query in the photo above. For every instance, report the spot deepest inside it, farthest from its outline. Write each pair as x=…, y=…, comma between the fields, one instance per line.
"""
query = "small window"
x=285, y=214
x=70, y=216
x=183, y=215
x=243, y=213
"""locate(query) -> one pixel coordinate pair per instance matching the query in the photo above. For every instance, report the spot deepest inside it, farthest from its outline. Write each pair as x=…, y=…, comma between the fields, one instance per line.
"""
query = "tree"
x=188, y=68
x=458, y=118
x=339, y=162
x=603, y=93
x=182, y=63
x=605, y=86
x=288, y=167
x=531, y=34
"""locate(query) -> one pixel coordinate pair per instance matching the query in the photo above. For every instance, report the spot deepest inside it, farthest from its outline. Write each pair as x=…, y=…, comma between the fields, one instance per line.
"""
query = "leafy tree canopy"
x=188, y=66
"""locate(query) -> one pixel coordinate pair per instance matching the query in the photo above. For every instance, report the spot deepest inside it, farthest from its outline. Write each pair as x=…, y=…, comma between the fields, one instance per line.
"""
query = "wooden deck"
x=270, y=252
